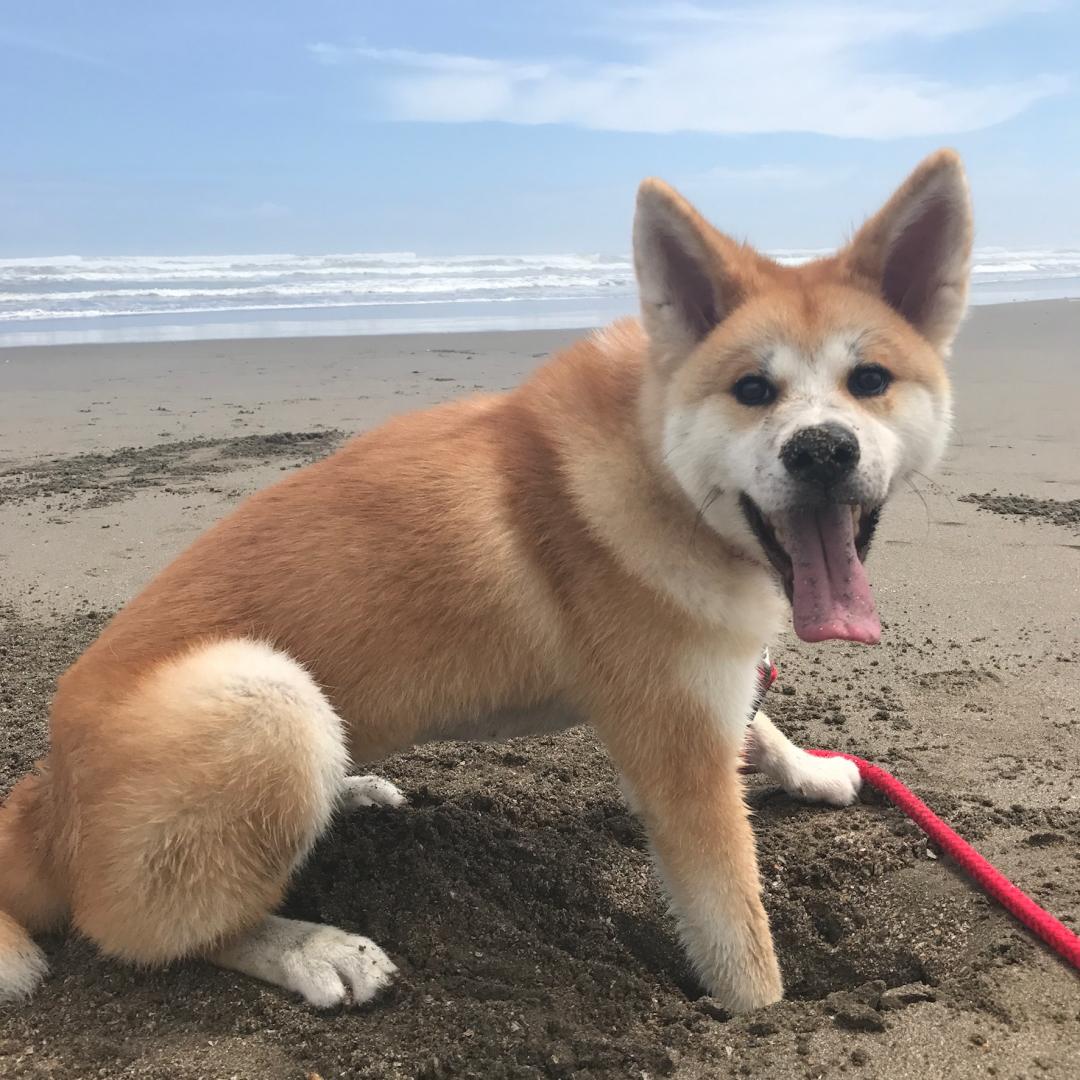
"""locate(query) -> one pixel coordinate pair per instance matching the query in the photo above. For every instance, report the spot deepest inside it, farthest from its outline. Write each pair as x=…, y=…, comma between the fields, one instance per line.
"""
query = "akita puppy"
x=610, y=543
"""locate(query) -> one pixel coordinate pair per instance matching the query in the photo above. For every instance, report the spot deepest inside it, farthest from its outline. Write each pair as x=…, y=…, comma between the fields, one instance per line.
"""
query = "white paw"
x=330, y=967
x=22, y=969
x=324, y=965
x=835, y=780
x=360, y=791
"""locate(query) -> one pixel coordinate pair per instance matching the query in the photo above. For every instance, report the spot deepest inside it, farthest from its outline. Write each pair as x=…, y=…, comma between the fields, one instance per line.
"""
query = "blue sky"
x=478, y=126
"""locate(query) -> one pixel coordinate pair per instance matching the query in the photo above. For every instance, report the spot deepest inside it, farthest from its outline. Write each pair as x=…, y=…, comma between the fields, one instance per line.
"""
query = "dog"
x=612, y=543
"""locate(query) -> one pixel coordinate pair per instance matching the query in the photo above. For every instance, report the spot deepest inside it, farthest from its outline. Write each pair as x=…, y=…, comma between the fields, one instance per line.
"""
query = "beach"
x=515, y=892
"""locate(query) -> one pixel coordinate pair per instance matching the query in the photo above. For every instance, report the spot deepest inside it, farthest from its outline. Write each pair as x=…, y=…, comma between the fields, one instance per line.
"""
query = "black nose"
x=824, y=454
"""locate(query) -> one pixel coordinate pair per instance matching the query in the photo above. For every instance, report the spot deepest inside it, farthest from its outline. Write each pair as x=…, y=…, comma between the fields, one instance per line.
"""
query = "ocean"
x=73, y=299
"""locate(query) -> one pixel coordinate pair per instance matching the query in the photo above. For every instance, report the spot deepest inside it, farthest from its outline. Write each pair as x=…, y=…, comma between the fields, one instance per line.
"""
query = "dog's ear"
x=915, y=253
x=686, y=283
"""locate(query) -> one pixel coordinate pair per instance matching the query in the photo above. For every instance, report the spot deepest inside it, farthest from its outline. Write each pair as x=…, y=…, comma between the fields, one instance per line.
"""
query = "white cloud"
x=429, y=61
x=42, y=47
x=827, y=68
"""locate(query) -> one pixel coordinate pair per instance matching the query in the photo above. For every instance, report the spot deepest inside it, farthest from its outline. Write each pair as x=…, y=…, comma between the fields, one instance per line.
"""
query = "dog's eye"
x=754, y=390
x=869, y=380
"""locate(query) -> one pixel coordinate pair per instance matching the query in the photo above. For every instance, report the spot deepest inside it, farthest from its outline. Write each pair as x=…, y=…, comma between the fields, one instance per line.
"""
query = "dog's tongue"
x=832, y=596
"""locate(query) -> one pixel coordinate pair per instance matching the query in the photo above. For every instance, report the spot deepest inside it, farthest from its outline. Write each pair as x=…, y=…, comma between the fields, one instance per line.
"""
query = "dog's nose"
x=823, y=454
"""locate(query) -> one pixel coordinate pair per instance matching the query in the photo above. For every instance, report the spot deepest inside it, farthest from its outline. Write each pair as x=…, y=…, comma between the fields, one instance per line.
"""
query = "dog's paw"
x=361, y=791
x=324, y=965
x=22, y=969
x=331, y=967
x=834, y=780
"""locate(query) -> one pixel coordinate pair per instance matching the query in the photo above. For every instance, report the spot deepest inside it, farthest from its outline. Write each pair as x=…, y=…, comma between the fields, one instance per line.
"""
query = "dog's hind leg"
x=830, y=780
x=30, y=898
x=221, y=770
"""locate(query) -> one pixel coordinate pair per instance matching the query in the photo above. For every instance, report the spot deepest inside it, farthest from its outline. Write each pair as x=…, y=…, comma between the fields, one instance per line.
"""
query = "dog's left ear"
x=684, y=271
x=915, y=252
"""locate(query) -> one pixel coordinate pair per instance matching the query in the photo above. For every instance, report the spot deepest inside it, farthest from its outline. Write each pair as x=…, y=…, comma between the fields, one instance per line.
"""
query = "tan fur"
x=522, y=559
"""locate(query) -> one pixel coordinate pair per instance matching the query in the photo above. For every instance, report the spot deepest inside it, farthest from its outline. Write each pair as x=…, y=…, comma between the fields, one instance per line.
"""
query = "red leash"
x=1038, y=920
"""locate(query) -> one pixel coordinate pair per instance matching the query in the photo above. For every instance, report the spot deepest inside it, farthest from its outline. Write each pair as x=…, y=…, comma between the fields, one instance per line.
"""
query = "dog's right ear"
x=687, y=285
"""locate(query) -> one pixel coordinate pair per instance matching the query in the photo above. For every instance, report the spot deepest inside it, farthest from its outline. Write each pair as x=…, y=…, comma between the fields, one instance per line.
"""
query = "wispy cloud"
x=452, y=63
x=827, y=68
x=53, y=49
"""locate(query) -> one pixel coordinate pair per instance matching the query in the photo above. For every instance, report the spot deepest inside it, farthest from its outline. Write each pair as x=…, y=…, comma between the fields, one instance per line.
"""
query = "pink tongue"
x=832, y=595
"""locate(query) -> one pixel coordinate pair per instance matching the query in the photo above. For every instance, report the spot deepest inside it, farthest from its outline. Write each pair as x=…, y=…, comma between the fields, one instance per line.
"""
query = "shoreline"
x=459, y=317
x=402, y=336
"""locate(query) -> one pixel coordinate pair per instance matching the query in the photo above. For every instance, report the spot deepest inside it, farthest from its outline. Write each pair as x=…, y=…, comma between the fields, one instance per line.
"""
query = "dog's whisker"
x=937, y=488
x=714, y=493
x=922, y=499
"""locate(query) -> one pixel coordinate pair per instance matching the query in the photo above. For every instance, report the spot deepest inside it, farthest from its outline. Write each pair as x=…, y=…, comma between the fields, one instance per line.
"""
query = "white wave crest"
x=78, y=286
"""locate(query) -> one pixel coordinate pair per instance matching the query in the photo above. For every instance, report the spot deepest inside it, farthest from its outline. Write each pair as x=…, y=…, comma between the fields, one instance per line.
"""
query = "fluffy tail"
x=29, y=899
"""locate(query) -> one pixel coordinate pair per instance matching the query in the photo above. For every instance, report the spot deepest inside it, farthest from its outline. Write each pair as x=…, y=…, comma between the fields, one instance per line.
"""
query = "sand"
x=515, y=891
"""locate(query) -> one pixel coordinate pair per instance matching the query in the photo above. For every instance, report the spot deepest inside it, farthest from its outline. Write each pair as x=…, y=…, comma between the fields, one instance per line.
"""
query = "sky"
x=501, y=126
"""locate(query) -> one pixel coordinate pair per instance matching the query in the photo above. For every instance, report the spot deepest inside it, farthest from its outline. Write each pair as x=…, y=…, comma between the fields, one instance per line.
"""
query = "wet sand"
x=516, y=892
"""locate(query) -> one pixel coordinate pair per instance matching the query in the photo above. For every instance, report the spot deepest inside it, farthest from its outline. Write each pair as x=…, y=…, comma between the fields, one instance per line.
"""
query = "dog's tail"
x=29, y=898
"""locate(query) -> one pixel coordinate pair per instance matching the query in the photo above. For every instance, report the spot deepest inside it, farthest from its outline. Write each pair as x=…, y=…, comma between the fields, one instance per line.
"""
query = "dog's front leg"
x=682, y=768
x=830, y=780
